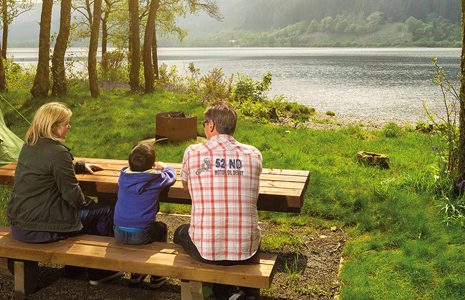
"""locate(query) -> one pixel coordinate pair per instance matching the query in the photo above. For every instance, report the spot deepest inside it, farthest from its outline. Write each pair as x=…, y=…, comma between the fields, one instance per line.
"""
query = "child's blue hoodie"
x=138, y=196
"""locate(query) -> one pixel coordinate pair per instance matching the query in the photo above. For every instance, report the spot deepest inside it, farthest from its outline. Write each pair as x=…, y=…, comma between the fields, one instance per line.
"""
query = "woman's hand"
x=90, y=168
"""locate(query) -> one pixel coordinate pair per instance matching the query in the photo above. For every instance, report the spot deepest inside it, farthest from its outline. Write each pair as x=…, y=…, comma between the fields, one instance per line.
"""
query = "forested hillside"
x=273, y=14
x=300, y=23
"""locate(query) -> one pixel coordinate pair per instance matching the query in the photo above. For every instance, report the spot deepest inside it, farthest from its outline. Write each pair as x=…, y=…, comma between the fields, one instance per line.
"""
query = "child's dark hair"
x=142, y=157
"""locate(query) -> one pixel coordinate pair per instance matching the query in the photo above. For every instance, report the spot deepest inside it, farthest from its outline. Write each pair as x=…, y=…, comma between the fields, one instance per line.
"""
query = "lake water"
x=387, y=83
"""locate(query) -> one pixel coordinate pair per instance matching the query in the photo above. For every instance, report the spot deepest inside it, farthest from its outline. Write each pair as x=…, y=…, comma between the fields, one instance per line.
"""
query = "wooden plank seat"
x=162, y=259
x=280, y=190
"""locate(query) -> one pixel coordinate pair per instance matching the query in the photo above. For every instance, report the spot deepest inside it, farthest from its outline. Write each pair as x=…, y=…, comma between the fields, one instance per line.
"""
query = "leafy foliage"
x=251, y=90
x=446, y=149
x=18, y=77
x=248, y=95
x=116, y=66
x=214, y=86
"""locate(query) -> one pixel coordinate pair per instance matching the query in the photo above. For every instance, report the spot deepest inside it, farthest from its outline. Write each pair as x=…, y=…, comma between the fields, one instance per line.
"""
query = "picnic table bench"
x=280, y=190
x=162, y=259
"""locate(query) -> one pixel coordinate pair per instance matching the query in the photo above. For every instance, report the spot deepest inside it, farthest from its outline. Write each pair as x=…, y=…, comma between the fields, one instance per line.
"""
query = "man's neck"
x=215, y=135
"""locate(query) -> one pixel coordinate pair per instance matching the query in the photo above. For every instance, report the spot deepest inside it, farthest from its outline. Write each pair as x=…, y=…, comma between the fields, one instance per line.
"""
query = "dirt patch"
x=306, y=269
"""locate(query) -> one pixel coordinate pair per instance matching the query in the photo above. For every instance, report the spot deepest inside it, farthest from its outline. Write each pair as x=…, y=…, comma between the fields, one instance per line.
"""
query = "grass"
x=399, y=245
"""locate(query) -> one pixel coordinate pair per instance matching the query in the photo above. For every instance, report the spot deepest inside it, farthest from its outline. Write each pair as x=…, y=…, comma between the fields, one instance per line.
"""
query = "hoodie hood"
x=137, y=182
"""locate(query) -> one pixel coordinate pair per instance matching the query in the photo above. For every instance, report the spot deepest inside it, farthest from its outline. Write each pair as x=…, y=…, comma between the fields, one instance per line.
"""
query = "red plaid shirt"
x=223, y=176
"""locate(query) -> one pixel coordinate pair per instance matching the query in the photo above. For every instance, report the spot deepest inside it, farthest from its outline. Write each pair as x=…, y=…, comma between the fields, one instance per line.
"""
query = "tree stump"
x=373, y=159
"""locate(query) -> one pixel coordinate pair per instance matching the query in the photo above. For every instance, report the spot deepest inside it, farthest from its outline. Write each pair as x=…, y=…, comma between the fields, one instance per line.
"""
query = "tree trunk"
x=93, y=45
x=155, y=53
x=134, y=44
x=3, y=86
x=105, y=65
x=41, y=80
x=461, y=148
x=148, y=39
x=59, y=87
x=5, y=24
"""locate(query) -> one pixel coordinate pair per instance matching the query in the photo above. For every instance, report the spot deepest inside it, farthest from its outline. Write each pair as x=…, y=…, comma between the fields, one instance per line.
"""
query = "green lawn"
x=398, y=245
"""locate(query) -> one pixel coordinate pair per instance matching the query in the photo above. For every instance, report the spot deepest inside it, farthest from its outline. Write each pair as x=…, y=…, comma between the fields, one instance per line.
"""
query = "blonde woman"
x=47, y=203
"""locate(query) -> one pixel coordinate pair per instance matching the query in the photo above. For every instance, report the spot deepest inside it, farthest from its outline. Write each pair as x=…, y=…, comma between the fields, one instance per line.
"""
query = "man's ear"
x=212, y=126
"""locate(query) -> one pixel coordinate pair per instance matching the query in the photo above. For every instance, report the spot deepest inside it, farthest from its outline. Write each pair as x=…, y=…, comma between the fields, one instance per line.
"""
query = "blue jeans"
x=156, y=232
x=96, y=219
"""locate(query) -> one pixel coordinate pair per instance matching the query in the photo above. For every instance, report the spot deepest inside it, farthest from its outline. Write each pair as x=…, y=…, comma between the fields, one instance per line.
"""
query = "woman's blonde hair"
x=46, y=118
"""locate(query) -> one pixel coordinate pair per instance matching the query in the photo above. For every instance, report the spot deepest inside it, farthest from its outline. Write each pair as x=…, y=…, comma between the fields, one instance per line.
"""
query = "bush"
x=114, y=67
x=170, y=79
x=392, y=130
x=18, y=77
x=259, y=110
x=296, y=111
x=214, y=86
x=331, y=113
x=425, y=127
x=250, y=89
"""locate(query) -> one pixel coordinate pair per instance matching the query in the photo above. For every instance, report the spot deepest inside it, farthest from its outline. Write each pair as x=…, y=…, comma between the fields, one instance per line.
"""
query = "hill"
x=300, y=23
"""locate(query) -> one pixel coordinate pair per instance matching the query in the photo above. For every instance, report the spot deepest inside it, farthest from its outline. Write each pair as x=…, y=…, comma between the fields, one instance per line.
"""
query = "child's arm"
x=168, y=174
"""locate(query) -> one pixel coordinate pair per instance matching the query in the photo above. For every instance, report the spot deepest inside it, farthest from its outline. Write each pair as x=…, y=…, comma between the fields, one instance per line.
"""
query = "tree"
x=155, y=53
x=93, y=45
x=109, y=4
x=3, y=85
x=83, y=23
x=148, y=42
x=169, y=10
x=461, y=147
x=134, y=44
x=10, y=10
x=59, y=86
x=41, y=80
x=162, y=20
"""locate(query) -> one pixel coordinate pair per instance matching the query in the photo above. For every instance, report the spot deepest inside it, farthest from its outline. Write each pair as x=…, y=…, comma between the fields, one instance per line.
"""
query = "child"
x=138, y=202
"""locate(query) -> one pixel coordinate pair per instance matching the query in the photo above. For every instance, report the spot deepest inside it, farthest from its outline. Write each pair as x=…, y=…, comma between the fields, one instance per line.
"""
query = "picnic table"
x=280, y=190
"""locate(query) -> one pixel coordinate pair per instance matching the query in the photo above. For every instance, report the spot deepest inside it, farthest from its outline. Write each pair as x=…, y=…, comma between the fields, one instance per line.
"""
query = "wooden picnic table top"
x=280, y=190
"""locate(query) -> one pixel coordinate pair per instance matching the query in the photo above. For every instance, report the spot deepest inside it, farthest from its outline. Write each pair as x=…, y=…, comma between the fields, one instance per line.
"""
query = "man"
x=222, y=177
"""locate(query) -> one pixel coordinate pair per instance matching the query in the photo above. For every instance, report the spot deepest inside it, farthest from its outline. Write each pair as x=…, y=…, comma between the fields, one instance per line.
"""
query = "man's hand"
x=90, y=168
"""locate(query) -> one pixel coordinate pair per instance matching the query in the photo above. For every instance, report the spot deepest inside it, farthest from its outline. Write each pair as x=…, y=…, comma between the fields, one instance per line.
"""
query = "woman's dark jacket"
x=46, y=195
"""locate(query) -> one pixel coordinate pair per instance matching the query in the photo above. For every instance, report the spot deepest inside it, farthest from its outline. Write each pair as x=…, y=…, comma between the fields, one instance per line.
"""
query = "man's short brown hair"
x=223, y=115
x=142, y=157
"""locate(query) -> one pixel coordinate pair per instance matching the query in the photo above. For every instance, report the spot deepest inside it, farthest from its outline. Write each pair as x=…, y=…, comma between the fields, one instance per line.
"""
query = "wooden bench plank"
x=265, y=258
x=161, y=259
